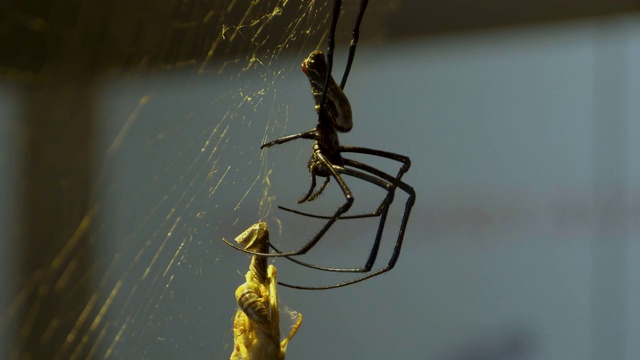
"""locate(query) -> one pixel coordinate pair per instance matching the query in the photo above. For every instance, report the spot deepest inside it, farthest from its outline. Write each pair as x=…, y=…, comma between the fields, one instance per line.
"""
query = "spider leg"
x=383, y=216
x=337, y=5
x=396, y=249
x=310, y=134
x=308, y=194
x=354, y=42
x=358, y=165
x=314, y=195
x=311, y=243
x=325, y=217
x=406, y=164
x=405, y=160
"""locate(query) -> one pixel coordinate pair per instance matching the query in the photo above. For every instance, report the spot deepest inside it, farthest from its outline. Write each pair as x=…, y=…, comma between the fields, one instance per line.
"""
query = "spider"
x=334, y=115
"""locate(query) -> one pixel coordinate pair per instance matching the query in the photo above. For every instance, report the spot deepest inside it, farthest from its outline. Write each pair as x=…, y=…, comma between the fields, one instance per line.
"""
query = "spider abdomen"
x=336, y=104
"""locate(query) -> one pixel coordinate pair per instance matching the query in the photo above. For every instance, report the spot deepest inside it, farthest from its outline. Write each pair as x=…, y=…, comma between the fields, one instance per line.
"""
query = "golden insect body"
x=256, y=326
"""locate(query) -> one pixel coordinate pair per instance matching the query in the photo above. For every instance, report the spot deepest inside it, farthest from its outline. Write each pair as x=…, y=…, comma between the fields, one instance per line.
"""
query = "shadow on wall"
x=510, y=343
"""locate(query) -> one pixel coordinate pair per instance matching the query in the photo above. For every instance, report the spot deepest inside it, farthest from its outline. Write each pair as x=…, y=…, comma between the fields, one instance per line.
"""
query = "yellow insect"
x=256, y=327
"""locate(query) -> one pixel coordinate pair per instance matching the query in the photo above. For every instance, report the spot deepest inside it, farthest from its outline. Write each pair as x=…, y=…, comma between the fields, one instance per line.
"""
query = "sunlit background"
x=127, y=159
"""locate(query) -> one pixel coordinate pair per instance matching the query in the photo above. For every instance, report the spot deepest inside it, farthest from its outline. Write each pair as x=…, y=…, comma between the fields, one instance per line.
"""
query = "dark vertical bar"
x=611, y=172
x=55, y=257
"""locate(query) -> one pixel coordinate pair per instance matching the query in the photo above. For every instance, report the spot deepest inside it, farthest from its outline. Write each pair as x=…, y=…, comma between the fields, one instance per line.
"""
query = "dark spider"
x=334, y=115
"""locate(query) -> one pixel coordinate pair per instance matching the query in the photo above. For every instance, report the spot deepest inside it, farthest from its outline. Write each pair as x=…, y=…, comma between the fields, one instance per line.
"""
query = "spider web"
x=178, y=167
x=495, y=123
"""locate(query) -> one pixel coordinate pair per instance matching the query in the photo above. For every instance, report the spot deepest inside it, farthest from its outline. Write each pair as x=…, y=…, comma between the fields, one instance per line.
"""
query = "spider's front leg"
x=310, y=134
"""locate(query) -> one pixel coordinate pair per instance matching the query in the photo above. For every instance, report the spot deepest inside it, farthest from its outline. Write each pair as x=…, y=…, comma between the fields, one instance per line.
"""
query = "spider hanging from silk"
x=334, y=115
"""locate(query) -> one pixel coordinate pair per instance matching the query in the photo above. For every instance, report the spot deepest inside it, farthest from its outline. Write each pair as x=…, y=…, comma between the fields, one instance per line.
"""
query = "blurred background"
x=129, y=147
